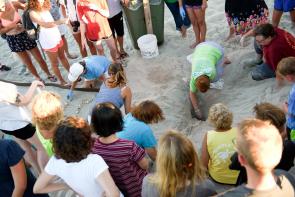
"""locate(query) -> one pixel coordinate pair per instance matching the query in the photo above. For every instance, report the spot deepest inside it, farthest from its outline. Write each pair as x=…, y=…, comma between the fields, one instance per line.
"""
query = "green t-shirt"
x=47, y=144
x=204, y=61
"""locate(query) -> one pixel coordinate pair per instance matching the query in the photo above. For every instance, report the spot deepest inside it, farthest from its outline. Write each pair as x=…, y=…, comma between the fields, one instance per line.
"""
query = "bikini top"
x=6, y=22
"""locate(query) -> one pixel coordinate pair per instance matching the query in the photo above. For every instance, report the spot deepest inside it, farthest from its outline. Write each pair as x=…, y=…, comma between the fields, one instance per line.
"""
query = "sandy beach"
x=164, y=79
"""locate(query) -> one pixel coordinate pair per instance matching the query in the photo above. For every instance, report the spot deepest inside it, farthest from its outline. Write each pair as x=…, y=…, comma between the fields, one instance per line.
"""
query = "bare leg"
x=77, y=37
x=30, y=155
x=194, y=23
x=42, y=157
x=63, y=59
x=120, y=40
x=66, y=48
x=92, y=48
x=112, y=46
x=99, y=48
x=26, y=59
x=53, y=57
x=37, y=55
x=292, y=15
x=200, y=18
x=276, y=17
x=231, y=33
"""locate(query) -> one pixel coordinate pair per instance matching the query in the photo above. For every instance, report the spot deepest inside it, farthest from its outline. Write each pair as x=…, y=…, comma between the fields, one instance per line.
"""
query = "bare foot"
x=183, y=32
x=193, y=45
x=226, y=60
x=230, y=36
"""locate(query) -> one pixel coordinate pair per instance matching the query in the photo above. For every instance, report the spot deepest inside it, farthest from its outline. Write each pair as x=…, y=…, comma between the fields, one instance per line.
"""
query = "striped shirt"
x=122, y=156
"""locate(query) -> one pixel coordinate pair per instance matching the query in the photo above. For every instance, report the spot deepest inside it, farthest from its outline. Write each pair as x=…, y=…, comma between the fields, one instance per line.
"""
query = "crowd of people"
x=111, y=153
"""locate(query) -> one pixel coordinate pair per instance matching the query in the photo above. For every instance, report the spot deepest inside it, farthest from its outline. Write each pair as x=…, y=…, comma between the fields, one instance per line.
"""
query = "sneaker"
x=252, y=62
x=217, y=85
x=4, y=67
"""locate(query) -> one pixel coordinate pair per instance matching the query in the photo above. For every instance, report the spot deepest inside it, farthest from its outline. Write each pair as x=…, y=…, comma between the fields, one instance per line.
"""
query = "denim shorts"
x=284, y=5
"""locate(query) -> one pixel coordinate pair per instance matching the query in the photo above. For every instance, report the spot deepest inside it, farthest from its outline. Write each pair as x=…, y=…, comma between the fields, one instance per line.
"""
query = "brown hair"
x=266, y=30
x=35, y=5
x=203, y=83
x=72, y=140
x=47, y=110
x=271, y=113
x=147, y=112
x=286, y=66
x=260, y=143
x=117, y=75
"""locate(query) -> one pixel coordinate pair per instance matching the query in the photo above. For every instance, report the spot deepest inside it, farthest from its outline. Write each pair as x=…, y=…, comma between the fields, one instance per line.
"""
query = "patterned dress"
x=244, y=15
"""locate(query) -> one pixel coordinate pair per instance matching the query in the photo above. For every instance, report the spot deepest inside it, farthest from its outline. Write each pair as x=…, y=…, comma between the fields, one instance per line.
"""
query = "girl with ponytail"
x=115, y=89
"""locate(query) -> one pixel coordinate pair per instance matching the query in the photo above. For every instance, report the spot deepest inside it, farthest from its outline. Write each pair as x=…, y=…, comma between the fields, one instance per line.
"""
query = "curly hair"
x=47, y=110
x=72, y=140
x=35, y=5
x=118, y=77
x=147, y=112
x=220, y=116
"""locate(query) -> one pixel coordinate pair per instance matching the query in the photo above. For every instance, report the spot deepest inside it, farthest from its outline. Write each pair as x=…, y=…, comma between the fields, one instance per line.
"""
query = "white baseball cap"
x=75, y=71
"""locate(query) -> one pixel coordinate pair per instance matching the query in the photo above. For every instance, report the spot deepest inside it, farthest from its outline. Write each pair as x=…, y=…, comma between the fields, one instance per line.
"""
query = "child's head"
x=147, y=112
x=106, y=119
x=273, y=114
x=72, y=140
x=259, y=145
x=220, y=117
x=177, y=164
x=47, y=111
x=117, y=74
x=203, y=83
x=264, y=33
x=286, y=69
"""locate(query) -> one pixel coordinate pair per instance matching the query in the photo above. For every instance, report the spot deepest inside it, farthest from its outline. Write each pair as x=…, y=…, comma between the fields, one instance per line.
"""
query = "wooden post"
x=147, y=16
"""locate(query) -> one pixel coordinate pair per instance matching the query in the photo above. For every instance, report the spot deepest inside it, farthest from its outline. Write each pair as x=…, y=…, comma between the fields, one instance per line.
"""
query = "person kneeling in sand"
x=207, y=66
x=90, y=68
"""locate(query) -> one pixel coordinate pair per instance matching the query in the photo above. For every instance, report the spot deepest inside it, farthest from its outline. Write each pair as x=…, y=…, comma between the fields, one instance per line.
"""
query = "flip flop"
x=123, y=55
x=52, y=78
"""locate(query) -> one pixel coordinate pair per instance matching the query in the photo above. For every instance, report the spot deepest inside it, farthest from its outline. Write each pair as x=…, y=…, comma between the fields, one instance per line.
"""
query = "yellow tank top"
x=221, y=147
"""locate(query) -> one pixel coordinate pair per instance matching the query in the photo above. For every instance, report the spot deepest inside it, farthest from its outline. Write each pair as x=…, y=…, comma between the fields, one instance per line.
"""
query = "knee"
x=201, y=22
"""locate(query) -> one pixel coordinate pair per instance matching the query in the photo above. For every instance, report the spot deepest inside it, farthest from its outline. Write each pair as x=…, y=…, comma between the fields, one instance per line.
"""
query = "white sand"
x=162, y=78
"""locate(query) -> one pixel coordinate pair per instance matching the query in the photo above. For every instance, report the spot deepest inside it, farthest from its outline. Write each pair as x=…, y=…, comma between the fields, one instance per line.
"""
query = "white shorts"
x=62, y=29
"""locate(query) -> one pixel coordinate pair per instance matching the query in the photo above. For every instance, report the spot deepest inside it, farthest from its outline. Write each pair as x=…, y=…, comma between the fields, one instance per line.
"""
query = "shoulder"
x=237, y=191
x=281, y=174
x=11, y=152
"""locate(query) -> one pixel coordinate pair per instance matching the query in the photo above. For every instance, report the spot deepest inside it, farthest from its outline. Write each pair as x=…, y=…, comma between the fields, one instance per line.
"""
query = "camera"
x=75, y=25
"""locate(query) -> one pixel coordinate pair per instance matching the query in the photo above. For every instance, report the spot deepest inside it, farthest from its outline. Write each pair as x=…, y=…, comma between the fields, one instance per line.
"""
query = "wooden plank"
x=147, y=16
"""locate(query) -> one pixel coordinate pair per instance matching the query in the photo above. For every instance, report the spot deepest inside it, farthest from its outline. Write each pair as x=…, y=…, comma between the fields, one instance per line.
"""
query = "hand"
x=182, y=12
x=70, y=95
x=204, y=5
x=38, y=83
x=285, y=107
x=93, y=7
x=199, y=114
x=242, y=41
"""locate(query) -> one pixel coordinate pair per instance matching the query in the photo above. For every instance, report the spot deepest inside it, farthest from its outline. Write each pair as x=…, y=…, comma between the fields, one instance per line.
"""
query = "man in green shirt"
x=207, y=66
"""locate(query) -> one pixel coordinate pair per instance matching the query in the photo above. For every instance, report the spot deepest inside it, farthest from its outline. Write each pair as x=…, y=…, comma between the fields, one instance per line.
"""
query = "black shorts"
x=116, y=25
x=22, y=133
x=193, y=3
x=20, y=42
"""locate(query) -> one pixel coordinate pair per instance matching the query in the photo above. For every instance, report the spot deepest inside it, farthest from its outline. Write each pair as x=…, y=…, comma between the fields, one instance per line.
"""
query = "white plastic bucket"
x=148, y=46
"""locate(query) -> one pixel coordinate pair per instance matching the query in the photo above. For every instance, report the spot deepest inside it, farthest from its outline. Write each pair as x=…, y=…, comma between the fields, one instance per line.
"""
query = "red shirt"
x=281, y=46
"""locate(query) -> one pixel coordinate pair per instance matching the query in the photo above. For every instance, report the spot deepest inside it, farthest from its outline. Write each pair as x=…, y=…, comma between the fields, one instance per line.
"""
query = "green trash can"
x=134, y=15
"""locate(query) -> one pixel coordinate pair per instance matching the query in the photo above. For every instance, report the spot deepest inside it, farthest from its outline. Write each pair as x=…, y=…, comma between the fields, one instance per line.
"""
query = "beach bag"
x=4, y=36
x=31, y=29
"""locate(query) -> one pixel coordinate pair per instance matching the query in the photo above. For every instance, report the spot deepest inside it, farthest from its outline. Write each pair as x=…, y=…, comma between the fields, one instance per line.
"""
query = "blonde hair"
x=260, y=143
x=220, y=116
x=35, y=5
x=177, y=163
x=147, y=112
x=286, y=66
x=118, y=77
x=47, y=110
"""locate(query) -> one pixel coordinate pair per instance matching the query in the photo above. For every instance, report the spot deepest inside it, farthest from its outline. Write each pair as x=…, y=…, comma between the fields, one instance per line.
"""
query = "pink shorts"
x=55, y=49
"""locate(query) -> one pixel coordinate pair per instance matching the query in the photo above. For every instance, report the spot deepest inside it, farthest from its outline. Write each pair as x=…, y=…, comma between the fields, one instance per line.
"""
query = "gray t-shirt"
x=285, y=188
x=200, y=190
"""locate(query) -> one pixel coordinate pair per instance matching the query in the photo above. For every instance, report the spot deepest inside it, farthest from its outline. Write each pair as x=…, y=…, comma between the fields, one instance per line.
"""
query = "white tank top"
x=48, y=37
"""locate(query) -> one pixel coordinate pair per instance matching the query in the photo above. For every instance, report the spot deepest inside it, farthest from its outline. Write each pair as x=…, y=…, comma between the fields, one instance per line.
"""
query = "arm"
x=24, y=100
x=83, y=31
x=143, y=163
x=4, y=30
x=103, y=12
x=205, y=155
x=63, y=11
x=152, y=152
x=43, y=184
x=127, y=96
x=193, y=98
x=204, y=4
x=74, y=84
x=108, y=185
x=35, y=17
x=18, y=5
x=180, y=3
x=19, y=176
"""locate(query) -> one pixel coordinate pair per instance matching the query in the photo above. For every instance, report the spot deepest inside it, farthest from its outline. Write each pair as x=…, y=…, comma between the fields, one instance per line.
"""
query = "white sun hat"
x=75, y=71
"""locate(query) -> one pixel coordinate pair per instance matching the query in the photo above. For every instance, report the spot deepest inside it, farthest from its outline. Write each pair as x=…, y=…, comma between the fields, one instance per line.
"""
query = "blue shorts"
x=284, y=5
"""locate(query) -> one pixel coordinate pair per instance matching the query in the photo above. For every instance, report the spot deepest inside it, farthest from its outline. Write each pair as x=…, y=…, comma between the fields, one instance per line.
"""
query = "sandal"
x=52, y=78
x=4, y=67
x=123, y=55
